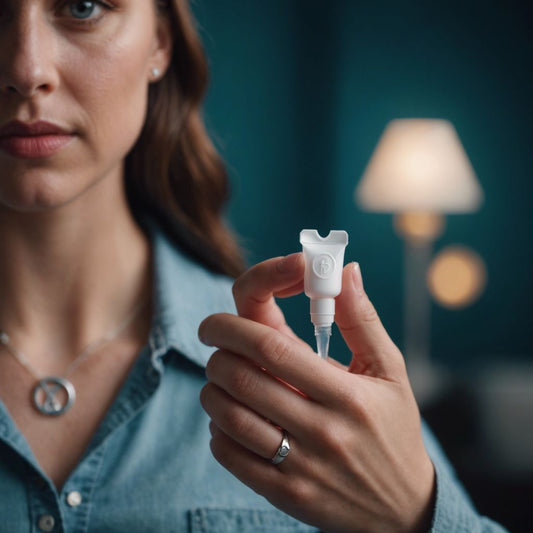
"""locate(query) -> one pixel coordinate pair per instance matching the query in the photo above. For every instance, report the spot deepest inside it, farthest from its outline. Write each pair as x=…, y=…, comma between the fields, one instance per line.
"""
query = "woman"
x=113, y=252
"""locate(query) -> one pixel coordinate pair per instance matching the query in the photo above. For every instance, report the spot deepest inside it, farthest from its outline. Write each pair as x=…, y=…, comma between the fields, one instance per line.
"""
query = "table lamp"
x=419, y=171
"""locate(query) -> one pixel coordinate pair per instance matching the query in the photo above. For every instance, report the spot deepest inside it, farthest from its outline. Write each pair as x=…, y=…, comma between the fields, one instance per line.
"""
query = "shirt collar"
x=185, y=293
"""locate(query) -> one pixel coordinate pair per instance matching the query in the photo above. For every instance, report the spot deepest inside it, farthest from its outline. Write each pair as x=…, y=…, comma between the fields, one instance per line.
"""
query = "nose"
x=27, y=54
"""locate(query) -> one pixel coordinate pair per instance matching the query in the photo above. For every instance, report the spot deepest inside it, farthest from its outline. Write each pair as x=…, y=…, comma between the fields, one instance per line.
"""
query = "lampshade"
x=419, y=165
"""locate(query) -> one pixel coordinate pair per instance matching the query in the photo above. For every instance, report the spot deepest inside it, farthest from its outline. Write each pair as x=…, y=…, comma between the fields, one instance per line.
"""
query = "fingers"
x=280, y=355
x=285, y=485
x=255, y=290
x=244, y=426
x=261, y=393
x=374, y=353
x=243, y=463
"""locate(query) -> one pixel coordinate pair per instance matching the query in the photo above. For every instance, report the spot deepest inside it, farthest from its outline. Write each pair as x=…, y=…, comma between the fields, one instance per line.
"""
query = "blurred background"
x=300, y=94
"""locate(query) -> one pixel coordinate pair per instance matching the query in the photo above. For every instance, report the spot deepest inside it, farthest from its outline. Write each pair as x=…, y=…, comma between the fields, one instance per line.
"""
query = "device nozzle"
x=322, y=334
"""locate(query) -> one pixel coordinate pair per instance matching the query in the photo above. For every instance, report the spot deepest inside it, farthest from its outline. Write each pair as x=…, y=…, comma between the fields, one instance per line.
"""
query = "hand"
x=357, y=459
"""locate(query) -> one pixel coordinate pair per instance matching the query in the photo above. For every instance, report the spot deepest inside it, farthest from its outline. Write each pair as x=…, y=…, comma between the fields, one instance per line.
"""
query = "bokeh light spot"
x=456, y=277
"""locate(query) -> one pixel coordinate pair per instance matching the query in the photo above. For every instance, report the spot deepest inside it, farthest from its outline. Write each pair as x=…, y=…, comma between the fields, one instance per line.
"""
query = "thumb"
x=374, y=352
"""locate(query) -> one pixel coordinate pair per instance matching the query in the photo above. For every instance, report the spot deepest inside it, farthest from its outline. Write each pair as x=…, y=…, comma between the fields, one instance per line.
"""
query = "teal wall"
x=302, y=90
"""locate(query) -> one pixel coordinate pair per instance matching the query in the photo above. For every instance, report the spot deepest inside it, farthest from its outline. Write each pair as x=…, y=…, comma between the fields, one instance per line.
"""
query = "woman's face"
x=82, y=70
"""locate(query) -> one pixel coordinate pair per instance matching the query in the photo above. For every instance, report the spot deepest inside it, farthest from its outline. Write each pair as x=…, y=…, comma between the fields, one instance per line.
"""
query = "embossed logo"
x=323, y=266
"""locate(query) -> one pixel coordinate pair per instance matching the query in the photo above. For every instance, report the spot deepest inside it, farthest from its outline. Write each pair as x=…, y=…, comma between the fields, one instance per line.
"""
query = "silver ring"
x=283, y=450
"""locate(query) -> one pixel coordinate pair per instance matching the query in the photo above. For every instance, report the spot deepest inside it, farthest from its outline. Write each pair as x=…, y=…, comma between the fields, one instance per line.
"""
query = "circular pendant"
x=53, y=396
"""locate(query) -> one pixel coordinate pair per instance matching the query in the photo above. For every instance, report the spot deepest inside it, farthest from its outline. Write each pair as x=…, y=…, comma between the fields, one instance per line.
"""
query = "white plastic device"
x=324, y=259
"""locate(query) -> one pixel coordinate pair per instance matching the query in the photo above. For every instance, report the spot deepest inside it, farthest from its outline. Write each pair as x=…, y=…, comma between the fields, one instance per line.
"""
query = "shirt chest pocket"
x=244, y=521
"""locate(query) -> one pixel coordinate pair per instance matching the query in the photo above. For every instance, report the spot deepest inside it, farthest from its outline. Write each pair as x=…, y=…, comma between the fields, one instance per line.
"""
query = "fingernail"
x=204, y=340
x=289, y=263
x=202, y=336
x=357, y=277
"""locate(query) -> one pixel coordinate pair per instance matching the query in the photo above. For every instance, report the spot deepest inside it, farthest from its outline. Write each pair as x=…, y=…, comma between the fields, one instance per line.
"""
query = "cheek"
x=111, y=88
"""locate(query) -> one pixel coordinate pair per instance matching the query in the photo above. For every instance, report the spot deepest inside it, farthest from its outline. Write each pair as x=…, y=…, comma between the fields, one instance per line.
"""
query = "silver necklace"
x=55, y=395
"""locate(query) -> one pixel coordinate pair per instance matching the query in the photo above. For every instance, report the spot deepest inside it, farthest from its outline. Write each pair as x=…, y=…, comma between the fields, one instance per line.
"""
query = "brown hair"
x=174, y=173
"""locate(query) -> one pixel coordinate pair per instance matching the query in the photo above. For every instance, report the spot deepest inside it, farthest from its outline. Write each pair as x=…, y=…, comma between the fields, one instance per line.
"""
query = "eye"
x=84, y=9
x=84, y=13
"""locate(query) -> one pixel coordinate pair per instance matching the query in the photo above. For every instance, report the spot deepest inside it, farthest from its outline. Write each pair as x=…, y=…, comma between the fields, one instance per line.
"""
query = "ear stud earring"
x=155, y=72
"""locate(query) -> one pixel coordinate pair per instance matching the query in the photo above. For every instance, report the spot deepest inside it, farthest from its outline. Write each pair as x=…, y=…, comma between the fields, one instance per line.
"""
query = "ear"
x=162, y=52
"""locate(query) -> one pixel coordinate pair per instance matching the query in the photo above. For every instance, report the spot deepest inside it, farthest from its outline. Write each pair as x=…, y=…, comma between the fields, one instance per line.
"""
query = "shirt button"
x=74, y=498
x=46, y=522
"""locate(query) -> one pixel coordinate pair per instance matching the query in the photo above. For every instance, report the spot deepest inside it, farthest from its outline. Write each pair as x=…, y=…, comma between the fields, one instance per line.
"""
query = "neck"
x=70, y=274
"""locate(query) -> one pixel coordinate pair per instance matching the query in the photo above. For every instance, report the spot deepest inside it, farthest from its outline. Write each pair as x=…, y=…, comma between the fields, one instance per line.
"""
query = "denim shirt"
x=148, y=468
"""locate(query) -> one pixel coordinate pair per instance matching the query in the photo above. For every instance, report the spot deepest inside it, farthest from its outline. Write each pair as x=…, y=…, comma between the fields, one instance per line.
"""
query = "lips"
x=35, y=140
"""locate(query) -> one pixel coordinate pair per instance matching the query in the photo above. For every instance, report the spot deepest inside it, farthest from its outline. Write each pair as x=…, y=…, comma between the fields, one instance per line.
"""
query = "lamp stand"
x=417, y=303
x=419, y=231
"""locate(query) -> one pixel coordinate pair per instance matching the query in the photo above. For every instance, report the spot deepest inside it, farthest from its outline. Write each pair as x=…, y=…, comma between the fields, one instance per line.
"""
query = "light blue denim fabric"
x=148, y=468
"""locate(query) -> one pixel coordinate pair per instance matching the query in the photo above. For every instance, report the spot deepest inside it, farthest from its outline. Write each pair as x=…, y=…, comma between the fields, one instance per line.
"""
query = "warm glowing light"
x=419, y=227
x=419, y=165
x=457, y=277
